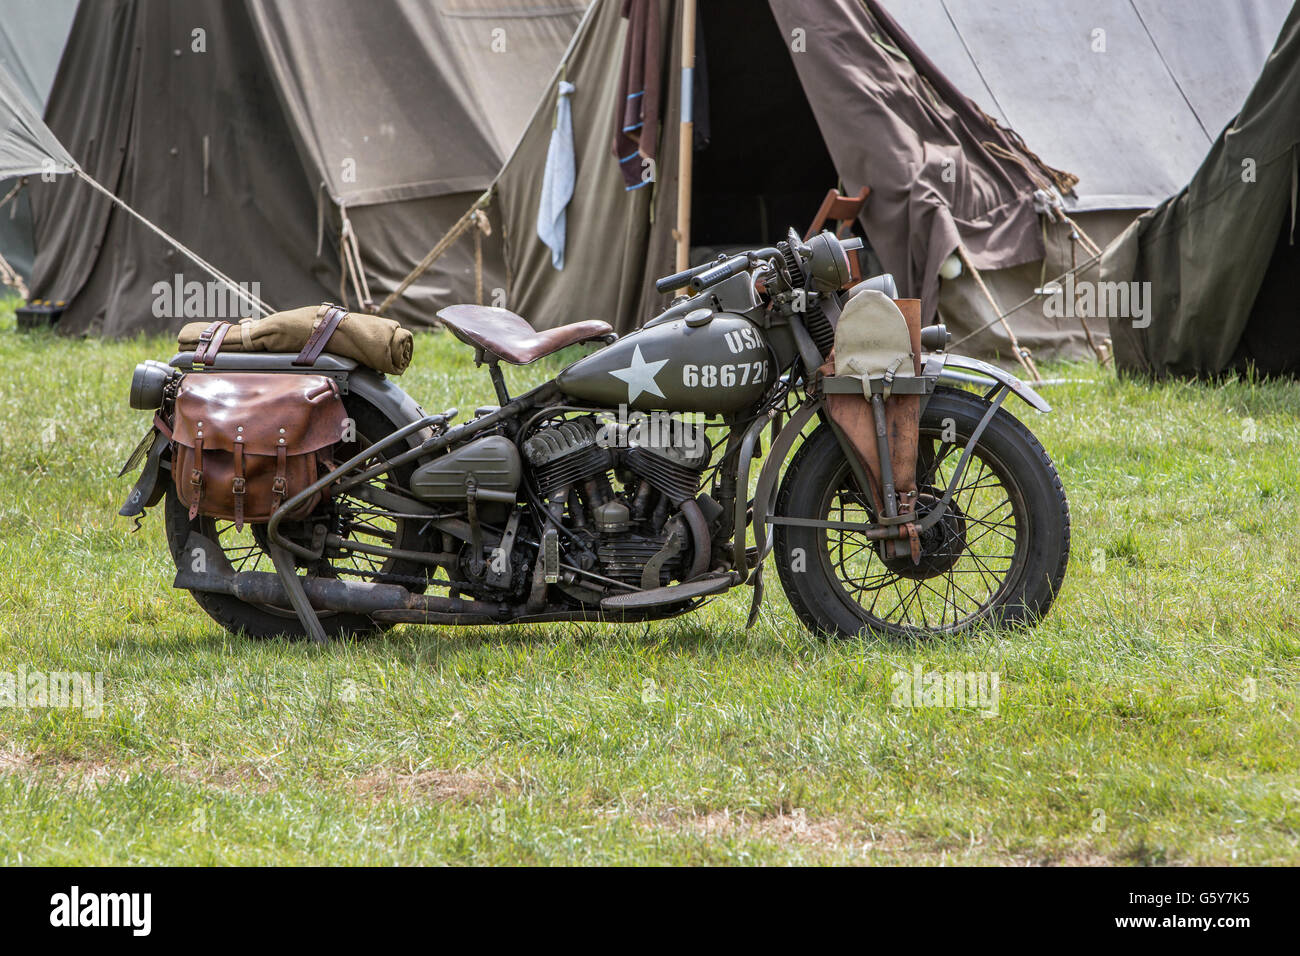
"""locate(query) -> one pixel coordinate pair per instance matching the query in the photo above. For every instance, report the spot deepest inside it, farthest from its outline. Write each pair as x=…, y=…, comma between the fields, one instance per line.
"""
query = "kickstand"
x=757, y=603
x=297, y=596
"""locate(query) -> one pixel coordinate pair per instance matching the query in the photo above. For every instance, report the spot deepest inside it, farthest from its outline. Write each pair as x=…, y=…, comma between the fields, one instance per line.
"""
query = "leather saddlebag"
x=246, y=442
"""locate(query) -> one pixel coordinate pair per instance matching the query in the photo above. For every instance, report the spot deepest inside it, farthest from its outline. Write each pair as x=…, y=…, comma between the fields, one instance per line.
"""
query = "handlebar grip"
x=726, y=270
x=678, y=279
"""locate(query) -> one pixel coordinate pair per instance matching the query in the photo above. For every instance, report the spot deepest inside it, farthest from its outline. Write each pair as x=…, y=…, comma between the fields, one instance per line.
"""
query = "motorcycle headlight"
x=828, y=263
x=147, y=384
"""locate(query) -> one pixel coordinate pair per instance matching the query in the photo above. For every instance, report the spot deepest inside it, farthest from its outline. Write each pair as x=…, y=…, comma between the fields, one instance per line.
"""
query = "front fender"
x=765, y=493
x=964, y=363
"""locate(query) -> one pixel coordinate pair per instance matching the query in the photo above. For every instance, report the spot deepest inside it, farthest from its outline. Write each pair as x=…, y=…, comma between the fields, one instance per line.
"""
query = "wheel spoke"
x=971, y=550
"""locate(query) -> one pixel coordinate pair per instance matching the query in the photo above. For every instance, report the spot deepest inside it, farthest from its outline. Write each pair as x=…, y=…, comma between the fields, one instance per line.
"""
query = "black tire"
x=263, y=621
x=814, y=563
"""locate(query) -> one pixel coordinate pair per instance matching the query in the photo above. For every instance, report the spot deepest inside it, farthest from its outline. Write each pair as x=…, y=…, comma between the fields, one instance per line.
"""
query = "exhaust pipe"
x=330, y=594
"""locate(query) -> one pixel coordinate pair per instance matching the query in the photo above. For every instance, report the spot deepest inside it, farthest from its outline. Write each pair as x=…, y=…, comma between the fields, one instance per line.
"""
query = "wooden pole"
x=686, y=148
x=1022, y=354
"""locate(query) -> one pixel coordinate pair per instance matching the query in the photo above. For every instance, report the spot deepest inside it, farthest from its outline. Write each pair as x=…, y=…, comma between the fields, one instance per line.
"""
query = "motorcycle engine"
x=617, y=487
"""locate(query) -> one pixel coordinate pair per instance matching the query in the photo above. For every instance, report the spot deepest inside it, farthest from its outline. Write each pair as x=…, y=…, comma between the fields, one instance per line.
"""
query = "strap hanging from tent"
x=8, y=274
x=10, y=277
x=351, y=251
x=686, y=146
x=443, y=244
x=484, y=229
x=13, y=192
x=198, y=260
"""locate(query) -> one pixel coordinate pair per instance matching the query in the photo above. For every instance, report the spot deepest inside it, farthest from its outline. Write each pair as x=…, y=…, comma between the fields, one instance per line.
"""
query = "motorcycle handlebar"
x=716, y=274
x=678, y=279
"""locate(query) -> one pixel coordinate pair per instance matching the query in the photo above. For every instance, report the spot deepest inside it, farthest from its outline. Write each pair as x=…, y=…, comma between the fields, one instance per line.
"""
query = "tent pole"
x=458, y=228
x=686, y=148
x=1022, y=354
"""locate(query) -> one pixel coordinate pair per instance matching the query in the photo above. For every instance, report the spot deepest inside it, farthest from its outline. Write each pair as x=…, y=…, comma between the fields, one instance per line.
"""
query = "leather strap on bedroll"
x=329, y=317
x=878, y=338
x=210, y=339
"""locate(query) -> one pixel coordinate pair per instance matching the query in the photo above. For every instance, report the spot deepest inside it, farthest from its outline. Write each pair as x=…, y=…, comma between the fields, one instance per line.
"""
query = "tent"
x=800, y=96
x=310, y=151
x=1126, y=94
x=1221, y=255
x=32, y=35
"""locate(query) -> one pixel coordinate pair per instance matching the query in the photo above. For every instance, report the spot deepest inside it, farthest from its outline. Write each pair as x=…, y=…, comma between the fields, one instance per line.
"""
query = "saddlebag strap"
x=237, y=485
x=280, y=487
x=196, y=476
x=162, y=426
x=210, y=340
x=330, y=316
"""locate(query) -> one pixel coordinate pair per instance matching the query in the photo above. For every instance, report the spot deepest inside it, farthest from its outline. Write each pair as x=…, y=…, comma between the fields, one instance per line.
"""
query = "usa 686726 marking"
x=725, y=376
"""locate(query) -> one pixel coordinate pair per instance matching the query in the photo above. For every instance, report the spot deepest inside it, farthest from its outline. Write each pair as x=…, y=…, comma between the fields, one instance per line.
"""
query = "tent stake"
x=686, y=148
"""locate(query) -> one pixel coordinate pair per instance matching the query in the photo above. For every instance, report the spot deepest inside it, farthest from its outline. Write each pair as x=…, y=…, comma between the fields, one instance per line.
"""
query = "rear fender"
x=151, y=484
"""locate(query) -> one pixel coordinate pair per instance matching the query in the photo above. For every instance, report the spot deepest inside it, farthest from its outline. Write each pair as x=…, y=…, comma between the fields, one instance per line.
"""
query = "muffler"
x=325, y=594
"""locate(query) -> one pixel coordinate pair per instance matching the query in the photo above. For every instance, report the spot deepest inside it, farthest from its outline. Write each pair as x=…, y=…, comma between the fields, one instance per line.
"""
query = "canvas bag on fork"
x=878, y=338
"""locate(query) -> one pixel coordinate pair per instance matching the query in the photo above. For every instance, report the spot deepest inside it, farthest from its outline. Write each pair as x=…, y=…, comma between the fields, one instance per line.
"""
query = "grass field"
x=1151, y=719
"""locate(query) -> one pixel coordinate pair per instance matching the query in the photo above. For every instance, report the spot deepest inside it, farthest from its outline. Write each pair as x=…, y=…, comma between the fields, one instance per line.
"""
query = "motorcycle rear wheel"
x=998, y=557
x=246, y=551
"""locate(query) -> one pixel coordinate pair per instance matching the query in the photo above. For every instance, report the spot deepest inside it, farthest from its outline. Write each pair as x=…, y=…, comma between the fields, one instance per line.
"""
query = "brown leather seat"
x=510, y=337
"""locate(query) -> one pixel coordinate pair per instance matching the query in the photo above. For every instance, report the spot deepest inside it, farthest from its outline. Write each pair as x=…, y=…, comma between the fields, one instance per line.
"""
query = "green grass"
x=1150, y=719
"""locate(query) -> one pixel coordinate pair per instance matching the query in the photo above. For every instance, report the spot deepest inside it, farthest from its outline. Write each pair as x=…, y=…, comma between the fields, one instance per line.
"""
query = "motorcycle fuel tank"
x=697, y=363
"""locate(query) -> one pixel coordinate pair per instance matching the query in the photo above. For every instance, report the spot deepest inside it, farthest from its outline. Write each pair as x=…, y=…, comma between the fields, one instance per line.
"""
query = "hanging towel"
x=636, y=120
x=557, y=181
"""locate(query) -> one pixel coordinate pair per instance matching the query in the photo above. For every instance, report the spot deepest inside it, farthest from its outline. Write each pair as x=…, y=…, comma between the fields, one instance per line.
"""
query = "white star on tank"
x=640, y=376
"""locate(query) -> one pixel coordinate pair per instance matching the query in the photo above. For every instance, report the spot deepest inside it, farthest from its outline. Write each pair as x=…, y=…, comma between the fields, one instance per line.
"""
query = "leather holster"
x=879, y=339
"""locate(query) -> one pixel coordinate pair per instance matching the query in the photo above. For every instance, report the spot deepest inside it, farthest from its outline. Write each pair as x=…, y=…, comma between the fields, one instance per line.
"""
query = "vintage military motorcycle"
x=309, y=495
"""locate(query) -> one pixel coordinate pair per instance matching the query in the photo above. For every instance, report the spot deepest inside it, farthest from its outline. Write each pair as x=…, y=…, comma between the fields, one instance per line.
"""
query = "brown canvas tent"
x=1126, y=94
x=801, y=96
x=259, y=132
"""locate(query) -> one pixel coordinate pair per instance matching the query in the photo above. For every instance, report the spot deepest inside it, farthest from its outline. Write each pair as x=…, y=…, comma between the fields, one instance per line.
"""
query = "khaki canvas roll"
x=376, y=342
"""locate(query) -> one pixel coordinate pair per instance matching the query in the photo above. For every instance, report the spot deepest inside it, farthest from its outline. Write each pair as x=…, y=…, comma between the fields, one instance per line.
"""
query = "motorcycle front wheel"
x=996, y=558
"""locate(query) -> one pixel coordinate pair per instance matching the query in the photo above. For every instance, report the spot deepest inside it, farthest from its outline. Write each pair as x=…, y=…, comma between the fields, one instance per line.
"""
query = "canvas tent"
x=875, y=94
x=32, y=35
x=858, y=105
x=261, y=133
x=1126, y=94
x=1221, y=255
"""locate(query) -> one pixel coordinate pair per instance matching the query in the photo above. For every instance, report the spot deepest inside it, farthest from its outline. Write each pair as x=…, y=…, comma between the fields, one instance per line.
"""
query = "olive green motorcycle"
x=652, y=475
